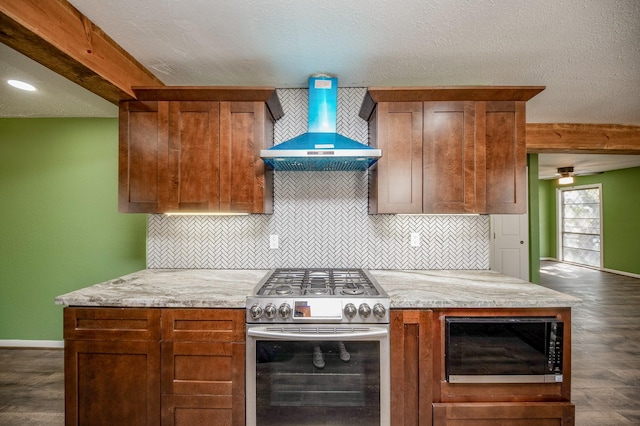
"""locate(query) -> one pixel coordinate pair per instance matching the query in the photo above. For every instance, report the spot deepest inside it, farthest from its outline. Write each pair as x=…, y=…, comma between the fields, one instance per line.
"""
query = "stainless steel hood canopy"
x=321, y=148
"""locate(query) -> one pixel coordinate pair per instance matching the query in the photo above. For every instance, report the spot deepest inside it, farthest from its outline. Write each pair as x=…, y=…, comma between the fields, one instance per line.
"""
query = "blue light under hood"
x=321, y=149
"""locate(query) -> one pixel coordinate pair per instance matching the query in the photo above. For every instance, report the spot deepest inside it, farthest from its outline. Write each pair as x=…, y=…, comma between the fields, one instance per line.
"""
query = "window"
x=580, y=227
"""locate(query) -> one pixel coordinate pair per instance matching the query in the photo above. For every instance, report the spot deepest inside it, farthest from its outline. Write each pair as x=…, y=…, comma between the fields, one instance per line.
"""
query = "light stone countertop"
x=466, y=289
x=171, y=288
x=217, y=288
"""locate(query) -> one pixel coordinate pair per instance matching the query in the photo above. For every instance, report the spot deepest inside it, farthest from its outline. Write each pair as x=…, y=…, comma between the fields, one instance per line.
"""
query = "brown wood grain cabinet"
x=189, y=149
x=504, y=414
x=152, y=366
x=411, y=367
x=491, y=403
x=448, y=150
x=112, y=366
x=203, y=358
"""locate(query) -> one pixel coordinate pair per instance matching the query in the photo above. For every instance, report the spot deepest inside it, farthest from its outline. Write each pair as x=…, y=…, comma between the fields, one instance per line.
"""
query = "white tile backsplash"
x=320, y=218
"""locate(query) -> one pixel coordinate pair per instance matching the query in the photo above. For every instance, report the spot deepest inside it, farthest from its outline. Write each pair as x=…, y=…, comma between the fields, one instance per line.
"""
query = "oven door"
x=284, y=387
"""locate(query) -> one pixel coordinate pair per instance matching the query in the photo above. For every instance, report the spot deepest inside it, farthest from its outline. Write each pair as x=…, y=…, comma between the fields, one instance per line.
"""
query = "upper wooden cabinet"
x=196, y=149
x=448, y=149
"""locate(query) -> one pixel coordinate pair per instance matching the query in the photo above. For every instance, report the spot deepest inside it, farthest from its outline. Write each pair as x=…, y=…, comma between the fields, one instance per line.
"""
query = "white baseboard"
x=626, y=274
x=32, y=343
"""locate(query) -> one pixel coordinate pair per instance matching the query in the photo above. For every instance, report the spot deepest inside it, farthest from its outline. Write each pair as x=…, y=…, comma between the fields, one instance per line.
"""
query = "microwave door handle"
x=354, y=335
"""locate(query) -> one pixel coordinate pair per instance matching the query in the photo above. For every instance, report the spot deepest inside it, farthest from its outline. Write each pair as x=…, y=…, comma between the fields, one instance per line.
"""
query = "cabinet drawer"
x=505, y=414
x=181, y=410
x=111, y=324
x=215, y=368
x=203, y=325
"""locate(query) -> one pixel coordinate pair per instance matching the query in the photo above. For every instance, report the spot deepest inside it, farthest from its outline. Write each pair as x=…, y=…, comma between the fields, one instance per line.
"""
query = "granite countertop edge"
x=228, y=288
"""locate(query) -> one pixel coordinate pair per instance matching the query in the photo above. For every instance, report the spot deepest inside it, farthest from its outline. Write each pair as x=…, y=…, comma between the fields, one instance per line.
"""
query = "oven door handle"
x=320, y=333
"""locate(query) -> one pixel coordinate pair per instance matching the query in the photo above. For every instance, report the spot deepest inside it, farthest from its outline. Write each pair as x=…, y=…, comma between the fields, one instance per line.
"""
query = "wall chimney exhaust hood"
x=321, y=148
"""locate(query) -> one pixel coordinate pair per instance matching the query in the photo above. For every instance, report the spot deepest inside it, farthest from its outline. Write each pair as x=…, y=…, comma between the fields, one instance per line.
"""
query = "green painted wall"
x=621, y=217
x=59, y=225
x=546, y=191
x=534, y=219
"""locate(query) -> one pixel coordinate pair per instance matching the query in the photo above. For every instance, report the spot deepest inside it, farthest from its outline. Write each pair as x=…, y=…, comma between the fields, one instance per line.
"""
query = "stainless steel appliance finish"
x=318, y=349
x=350, y=296
x=504, y=349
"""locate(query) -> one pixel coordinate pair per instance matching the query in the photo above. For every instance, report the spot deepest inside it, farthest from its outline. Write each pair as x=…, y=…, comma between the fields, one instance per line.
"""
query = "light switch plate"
x=415, y=239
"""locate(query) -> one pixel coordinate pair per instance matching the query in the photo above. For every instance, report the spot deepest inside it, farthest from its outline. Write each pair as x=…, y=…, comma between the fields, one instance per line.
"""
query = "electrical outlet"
x=273, y=242
x=415, y=239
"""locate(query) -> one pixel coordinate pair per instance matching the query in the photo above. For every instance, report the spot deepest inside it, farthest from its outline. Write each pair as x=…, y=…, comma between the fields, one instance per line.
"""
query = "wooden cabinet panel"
x=504, y=134
x=143, y=161
x=242, y=171
x=506, y=414
x=111, y=324
x=411, y=372
x=203, y=366
x=194, y=156
x=474, y=149
x=189, y=410
x=112, y=366
x=196, y=150
x=451, y=158
x=397, y=131
x=203, y=325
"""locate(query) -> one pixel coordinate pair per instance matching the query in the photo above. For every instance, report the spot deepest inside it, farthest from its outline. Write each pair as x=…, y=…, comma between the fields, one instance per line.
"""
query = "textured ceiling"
x=586, y=52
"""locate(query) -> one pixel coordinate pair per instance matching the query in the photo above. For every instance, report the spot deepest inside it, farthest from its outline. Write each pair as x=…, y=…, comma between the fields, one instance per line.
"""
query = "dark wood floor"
x=31, y=387
x=606, y=356
x=606, y=343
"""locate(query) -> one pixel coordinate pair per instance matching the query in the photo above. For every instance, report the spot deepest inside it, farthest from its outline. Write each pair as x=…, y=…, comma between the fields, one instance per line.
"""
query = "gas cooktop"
x=318, y=295
x=318, y=282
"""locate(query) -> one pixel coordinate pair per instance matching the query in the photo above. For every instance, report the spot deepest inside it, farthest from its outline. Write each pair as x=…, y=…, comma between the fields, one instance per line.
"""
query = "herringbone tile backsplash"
x=320, y=218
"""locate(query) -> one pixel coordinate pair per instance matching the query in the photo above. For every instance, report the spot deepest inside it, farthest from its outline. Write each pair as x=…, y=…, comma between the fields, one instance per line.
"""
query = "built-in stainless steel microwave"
x=503, y=349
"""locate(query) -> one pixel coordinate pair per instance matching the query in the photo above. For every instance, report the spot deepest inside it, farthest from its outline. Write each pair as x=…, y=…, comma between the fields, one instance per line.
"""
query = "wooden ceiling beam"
x=56, y=35
x=582, y=138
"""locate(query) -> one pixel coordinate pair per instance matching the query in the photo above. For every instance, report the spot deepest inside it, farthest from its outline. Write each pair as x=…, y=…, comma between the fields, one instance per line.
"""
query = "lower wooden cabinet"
x=411, y=367
x=504, y=414
x=130, y=366
x=112, y=366
x=203, y=358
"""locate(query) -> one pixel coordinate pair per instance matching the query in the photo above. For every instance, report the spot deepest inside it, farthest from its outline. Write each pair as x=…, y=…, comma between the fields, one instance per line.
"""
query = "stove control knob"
x=350, y=310
x=255, y=311
x=285, y=310
x=364, y=310
x=270, y=311
x=379, y=311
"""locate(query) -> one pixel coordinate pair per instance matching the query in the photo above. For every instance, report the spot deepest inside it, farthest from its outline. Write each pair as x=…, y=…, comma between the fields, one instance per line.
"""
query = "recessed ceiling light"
x=21, y=85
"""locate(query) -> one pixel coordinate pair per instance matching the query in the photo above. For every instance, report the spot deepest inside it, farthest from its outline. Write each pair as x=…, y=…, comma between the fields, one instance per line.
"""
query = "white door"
x=510, y=241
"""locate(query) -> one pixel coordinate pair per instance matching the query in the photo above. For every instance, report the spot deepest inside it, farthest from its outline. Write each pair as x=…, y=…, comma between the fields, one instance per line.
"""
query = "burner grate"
x=320, y=282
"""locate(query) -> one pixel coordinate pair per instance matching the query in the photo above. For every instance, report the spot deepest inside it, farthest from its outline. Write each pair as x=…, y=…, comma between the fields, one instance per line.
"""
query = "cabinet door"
x=243, y=188
x=194, y=157
x=450, y=157
x=502, y=126
x=112, y=383
x=411, y=367
x=143, y=162
x=396, y=129
x=112, y=366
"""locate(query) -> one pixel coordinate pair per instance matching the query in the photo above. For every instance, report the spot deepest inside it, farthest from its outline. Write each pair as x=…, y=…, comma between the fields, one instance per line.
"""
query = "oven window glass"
x=499, y=348
x=317, y=383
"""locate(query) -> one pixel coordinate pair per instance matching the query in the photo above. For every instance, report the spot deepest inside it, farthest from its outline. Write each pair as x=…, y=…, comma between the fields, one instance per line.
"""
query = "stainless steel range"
x=318, y=296
x=318, y=349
